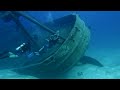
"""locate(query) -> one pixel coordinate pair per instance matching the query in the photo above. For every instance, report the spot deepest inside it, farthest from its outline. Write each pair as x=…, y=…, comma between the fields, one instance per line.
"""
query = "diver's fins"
x=90, y=60
x=4, y=55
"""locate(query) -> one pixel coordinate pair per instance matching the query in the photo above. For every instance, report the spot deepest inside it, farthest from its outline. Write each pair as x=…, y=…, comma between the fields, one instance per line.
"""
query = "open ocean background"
x=104, y=44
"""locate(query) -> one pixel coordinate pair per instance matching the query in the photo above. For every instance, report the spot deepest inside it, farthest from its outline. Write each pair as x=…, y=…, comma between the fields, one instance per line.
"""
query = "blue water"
x=104, y=27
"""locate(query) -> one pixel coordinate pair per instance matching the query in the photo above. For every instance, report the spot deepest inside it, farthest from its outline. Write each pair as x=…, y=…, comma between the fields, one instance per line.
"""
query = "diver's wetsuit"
x=6, y=54
x=24, y=49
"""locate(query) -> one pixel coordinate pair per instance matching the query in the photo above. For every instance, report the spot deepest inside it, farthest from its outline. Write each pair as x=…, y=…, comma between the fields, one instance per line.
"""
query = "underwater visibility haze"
x=60, y=44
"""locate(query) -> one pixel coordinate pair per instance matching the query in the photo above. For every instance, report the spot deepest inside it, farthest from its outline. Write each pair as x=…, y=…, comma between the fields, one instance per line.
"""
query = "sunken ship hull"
x=69, y=52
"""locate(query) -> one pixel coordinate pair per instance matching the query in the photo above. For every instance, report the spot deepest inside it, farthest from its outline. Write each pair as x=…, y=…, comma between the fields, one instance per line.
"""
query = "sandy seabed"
x=110, y=58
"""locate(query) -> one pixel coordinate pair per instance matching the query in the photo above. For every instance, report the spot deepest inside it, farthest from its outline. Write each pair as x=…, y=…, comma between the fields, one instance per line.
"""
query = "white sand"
x=110, y=58
x=7, y=74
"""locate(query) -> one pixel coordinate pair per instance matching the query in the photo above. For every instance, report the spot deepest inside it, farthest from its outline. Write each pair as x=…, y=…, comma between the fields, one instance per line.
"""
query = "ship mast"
x=36, y=22
x=23, y=29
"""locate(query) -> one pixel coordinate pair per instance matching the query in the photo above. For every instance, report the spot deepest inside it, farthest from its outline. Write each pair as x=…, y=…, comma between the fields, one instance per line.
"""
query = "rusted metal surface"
x=68, y=54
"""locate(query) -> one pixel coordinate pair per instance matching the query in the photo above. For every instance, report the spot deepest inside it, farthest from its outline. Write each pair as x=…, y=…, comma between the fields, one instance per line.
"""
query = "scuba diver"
x=25, y=48
x=52, y=41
